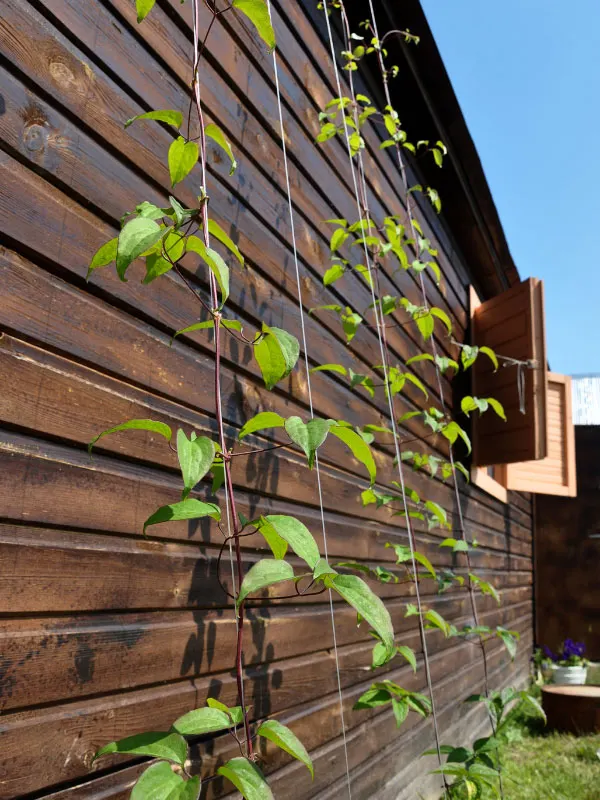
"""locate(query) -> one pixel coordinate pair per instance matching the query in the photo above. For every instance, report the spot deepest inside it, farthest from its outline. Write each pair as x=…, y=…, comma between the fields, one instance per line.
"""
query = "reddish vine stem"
x=239, y=667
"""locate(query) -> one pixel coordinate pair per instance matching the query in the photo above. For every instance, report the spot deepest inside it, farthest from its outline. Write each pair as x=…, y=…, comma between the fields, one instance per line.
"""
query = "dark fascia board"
x=429, y=109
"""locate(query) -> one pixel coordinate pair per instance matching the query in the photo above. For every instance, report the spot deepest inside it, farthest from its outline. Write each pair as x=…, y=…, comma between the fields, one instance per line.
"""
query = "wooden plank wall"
x=105, y=633
x=567, y=545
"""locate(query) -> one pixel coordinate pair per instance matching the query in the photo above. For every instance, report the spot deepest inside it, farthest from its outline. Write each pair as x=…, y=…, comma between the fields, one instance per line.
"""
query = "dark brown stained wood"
x=370, y=735
x=567, y=551
x=556, y=473
x=116, y=358
x=512, y=324
x=50, y=659
x=72, y=400
x=82, y=727
x=400, y=758
x=221, y=207
x=104, y=633
x=124, y=494
x=107, y=572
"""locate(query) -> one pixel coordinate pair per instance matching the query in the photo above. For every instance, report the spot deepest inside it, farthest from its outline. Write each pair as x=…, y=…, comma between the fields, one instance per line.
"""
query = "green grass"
x=540, y=765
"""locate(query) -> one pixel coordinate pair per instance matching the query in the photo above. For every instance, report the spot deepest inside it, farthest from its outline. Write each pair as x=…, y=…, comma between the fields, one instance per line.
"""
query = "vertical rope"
x=310, y=401
x=384, y=356
x=402, y=168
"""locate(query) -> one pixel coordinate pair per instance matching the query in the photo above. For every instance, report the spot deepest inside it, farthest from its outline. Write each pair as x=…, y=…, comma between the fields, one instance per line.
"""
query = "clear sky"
x=527, y=77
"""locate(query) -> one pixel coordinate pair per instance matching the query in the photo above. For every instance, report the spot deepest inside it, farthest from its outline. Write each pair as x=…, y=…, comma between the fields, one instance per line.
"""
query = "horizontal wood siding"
x=103, y=632
x=567, y=549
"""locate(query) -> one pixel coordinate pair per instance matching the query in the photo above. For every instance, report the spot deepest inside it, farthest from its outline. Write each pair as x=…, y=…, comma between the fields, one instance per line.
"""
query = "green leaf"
x=497, y=406
x=159, y=262
x=508, y=640
x=182, y=158
x=308, y=436
x=257, y=12
x=457, y=545
x=266, y=572
x=459, y=755
x=103, y=256
x=404, y=554
x=232, y=324
x=159, y=744
x=468, y=404
x=490, y=354
x=216, y=134
x=217, y=231
x=350, y=323
x=359, y=448
x=441, y=315
x=409, y=655
x=246, y=776
x=195, y=456
x=322, y=569
x=381, y=655
x=235, y=712
x=143, y=8
x=420, y=357
x=286, y=740
x=468, y=355
x=156, y=783
x=437, y=511
x=190, y=790
x=136, y=425
x=400, y=709
x=331, y=368
x=356, y=592
x=452, y=431
x=276, y=354
x=218, y=472
x=203, y=720
x=297, y=535
x=337, y=239
x=277, y=544
x=416, y=382
x=156, y=265
x=372, y=698
x=260, y=422
x=214, y=262
x=535, y=704
x=425, y=324
x=169, y=116
x=333, y=274
x=186, y=509
x=436, y=620
x=137, y=236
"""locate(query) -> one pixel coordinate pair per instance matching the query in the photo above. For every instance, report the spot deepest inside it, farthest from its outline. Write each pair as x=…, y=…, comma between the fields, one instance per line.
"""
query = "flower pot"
x=574, y=676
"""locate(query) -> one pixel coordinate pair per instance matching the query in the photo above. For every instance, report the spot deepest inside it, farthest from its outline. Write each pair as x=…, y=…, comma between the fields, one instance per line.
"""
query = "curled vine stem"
x=229, y=490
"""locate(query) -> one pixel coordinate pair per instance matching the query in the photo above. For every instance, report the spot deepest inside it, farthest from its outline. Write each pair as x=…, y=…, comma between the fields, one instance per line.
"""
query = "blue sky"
x=527, y=76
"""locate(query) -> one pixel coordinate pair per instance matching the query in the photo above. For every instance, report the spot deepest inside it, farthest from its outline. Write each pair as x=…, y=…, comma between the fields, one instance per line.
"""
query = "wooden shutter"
x=554, y=474
x=512, y=324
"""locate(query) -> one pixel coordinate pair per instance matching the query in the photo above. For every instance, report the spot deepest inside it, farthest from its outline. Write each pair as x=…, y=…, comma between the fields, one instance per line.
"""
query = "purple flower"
x=571, y=648
x=548, y=653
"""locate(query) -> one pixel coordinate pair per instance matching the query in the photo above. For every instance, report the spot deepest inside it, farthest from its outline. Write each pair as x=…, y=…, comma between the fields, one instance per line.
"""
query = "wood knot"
x=35, y=138
x=61, y=73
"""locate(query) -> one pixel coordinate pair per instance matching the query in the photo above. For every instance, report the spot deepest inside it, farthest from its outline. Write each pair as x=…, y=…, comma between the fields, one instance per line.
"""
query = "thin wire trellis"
x=363, y=208
x=402, y=169
x=310, y=401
